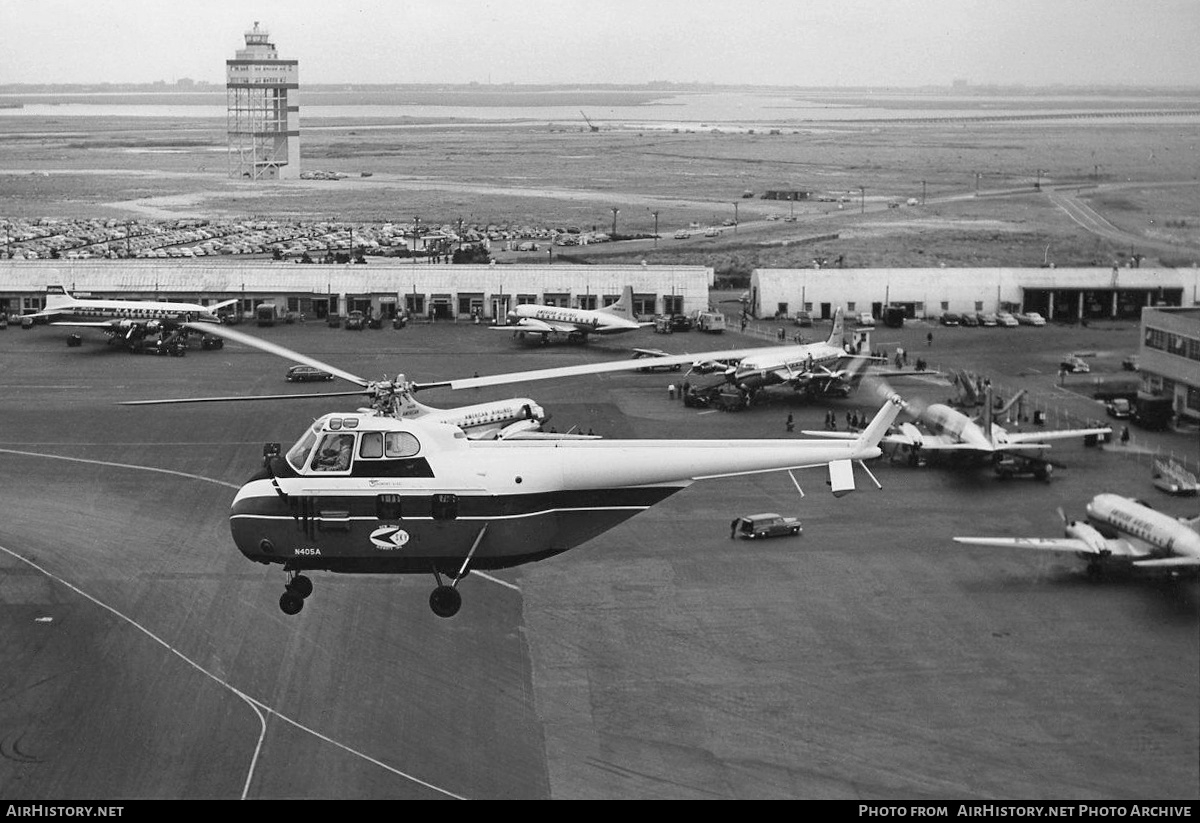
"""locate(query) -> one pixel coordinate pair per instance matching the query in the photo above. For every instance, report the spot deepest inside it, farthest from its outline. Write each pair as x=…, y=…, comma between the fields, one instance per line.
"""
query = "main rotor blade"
x=243, y=397
x=591, y=368
x=276, y=349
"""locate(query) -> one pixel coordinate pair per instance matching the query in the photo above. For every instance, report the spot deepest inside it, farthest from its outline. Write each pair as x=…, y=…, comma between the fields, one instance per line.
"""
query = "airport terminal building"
x=1169, y=358
x=1062, y=294
x=377, y=289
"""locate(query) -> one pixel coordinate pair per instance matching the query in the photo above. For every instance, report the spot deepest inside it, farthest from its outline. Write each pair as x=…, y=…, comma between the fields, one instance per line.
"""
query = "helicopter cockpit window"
x=401, y=444
x=298, y=453
x=371, y=445
x=334, y=453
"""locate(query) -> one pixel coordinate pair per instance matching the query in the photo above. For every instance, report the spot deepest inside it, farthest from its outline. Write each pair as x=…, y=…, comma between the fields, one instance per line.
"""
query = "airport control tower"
x=263, y=114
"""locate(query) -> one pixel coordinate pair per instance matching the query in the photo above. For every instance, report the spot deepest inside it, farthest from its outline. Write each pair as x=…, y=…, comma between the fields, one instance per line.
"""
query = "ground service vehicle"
x=1073, y=365
x=356, y=321
x=804, y=319
x=1119, y=407
x=768, y=524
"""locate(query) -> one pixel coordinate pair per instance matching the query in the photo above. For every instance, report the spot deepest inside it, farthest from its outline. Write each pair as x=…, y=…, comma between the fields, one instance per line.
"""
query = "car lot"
x=655, y=661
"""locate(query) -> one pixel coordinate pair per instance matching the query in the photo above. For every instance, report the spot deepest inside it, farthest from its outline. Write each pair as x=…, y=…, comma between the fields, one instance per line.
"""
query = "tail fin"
x=837, y=334
x=623, y=307
x=841, y=472
x=879, y=425
x=57, y=297
x=987, y=418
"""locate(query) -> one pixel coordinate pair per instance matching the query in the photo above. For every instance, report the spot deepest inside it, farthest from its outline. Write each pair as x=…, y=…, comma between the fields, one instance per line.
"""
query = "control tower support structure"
x=263, y=114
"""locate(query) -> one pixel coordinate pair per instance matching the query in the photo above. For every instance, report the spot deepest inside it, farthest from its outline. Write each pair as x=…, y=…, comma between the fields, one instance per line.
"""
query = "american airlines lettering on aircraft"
x=375, y=492
x=127, y=322
x=576, y=324
x=1122, y=531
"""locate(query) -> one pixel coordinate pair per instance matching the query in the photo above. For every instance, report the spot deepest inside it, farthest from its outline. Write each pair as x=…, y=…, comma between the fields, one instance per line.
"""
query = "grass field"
x=1140, y=174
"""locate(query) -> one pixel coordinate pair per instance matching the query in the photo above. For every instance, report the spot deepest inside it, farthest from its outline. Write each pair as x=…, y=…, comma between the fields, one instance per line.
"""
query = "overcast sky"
x=777, y=42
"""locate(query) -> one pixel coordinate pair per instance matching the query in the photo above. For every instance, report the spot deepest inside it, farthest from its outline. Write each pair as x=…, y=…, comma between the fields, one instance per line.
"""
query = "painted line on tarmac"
x=256, y=705
x=189, y=476
x=123, y=466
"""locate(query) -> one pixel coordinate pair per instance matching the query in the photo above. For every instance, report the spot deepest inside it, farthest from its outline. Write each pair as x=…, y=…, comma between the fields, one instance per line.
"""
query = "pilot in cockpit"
x=334, y=454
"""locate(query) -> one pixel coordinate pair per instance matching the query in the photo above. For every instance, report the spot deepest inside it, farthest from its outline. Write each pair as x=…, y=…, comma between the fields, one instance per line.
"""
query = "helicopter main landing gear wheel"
x=445, y=601
x=298, y=589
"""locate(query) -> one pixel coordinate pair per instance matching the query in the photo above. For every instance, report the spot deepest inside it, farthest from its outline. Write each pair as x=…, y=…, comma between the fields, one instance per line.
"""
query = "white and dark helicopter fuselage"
x=414, y=496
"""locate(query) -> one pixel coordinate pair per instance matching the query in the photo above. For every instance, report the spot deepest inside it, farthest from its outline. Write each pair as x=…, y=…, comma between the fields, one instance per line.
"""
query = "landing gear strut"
x=445, y=599
x=298, y=588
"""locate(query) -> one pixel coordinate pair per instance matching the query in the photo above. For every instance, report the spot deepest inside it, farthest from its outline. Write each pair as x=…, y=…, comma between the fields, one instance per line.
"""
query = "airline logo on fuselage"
x=389, y=538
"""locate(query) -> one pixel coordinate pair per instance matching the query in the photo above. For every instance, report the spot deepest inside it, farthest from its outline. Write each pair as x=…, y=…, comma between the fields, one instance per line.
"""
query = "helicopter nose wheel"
x=298, y=588
x=445, y=601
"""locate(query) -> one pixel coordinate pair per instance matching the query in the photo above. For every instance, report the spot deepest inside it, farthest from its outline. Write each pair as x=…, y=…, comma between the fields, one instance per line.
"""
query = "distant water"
x=691, y=111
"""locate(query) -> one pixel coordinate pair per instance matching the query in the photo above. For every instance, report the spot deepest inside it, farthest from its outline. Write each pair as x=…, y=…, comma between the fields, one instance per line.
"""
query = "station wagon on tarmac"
x=758, y=526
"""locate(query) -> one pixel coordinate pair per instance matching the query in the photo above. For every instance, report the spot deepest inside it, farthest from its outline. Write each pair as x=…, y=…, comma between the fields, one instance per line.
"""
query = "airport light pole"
x=862, y=203
x=922, y=192
x=655, y=226
x=735, y=217
x=1038, y=184
x=615, y=211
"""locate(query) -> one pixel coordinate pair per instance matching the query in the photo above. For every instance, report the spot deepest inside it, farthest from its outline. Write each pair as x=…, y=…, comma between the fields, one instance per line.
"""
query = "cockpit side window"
x=401, y=444
x=334, y=453
x=371, y=445
x=298, y=453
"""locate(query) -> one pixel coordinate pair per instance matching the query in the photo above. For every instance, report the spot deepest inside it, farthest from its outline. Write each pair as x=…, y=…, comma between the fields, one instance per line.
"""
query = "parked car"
x=1007, y=467
x=356, y=321
x=804, y=319
x=1031, y=318
x=1119, y=407
x=986, y=318
x=968, y=319
x=712, y=231
x=639, y=354
x=949, y=319
x=864, y=318
x=758, y=526
x=305, y=374
x=1074, y=364
x=1004, y=318
x=1130, y=363
x=682, y=234
x=681, y=322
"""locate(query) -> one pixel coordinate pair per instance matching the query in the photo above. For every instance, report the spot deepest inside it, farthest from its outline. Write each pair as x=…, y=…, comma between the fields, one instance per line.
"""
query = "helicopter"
x=375, y=492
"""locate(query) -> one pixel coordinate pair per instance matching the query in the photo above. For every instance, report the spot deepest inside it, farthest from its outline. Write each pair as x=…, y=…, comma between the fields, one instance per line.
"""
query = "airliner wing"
x=1055, y=544
x=80, y=324
x=1167, y=562
x=1118, y=547
x=540, y=326
x=1027, y=438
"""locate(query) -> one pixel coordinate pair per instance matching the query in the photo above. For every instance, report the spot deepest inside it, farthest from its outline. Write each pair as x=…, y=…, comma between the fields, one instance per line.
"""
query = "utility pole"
x=977, y=176
x=862, y=203
x=922, y=192
x=655, y=228
x=735, y=216
x=614, y=229
x=416, y=232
